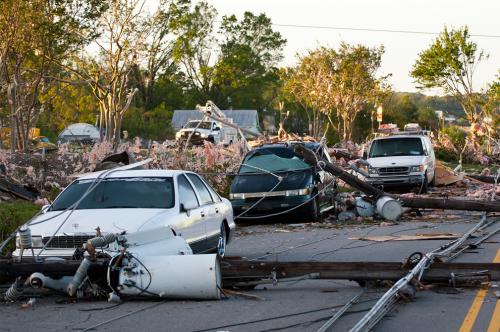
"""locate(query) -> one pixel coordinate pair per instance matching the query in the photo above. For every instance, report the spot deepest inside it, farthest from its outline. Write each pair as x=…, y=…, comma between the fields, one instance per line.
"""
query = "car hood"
x=108, y=220
x=396, y=161
x=252, y=183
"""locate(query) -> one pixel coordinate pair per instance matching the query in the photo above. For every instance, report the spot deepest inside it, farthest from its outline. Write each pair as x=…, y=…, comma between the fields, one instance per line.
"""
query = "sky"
x=401, y=50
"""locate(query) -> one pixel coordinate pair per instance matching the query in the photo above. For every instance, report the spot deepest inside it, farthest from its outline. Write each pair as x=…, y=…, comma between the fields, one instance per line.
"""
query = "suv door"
x=210, y=210
x=192, y=225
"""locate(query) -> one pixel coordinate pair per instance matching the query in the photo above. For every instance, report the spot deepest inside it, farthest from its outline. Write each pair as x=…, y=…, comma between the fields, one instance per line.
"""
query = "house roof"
x=243, y=118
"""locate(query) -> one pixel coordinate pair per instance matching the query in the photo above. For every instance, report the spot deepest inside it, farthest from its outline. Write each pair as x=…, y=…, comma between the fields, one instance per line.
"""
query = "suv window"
x=186, y=192
x=205, y=196
x=401, y=146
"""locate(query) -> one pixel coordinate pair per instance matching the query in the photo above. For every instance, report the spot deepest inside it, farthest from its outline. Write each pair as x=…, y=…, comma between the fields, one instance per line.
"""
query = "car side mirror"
x=216, y=128
x=45, y=208
x=188, y=206
x=365, y=155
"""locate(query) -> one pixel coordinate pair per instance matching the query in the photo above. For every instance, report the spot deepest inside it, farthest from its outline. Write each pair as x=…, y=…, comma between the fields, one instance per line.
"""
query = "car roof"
x=399, y=136
x=309, y=145
x=134, y=173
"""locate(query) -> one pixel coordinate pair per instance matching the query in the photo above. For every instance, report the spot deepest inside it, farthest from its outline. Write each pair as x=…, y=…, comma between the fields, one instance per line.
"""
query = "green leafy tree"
x=449, y=63
x=427, y=118
x=400, y=110
x=337, y=84
x=234, y=65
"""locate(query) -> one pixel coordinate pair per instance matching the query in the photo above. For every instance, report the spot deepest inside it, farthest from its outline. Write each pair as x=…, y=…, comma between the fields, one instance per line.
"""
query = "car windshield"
x=203, y=125
x=402, y=146
x=272, y=160
x=154, y=193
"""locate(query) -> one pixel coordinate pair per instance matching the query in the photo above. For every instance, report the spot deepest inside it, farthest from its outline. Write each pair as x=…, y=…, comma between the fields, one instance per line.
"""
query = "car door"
x=191, y=225
x=209, y=209
x=429, y=158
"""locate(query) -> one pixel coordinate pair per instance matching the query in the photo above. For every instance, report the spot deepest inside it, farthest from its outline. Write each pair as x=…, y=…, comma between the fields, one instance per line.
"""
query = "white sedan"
x=129, y=201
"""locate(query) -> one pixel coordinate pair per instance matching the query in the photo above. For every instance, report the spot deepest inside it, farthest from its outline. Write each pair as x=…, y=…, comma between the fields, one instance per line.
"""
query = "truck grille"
x=67, y=241
x=393, y=170
x=187, y=133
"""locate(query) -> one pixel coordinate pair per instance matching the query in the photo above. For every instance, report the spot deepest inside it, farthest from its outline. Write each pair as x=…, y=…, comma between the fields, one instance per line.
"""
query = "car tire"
x=311, y=210
x=221, y=244
x=425, y=185
x=433, y=181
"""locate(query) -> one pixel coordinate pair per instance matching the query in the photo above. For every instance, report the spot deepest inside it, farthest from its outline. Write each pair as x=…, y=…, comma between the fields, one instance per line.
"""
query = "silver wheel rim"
x=221, y=245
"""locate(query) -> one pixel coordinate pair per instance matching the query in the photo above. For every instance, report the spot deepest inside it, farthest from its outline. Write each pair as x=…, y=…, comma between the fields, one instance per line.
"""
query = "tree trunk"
x=11, y=93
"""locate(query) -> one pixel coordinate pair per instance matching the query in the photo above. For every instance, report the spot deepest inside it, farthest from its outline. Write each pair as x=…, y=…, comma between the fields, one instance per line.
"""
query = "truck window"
x=194, y=124
x=401, y=146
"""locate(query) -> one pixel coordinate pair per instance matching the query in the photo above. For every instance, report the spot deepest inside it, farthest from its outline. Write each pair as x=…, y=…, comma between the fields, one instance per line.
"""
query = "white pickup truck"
x=206, y=131
x=401, y=160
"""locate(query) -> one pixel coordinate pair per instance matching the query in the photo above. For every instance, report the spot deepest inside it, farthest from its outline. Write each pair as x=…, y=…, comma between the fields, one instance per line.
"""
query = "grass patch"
x=472, y=168
x=13, y=214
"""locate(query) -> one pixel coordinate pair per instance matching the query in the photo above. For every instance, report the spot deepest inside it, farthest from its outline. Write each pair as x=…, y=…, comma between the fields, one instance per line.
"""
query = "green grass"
x=471, y=168
x=13, y=214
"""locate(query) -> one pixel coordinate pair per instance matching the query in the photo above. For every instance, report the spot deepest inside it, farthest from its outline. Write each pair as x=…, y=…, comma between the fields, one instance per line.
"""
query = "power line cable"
x=415, y=32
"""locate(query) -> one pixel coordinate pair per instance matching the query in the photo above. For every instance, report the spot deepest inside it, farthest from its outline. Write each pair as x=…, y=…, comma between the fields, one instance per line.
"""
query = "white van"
x=401, y=160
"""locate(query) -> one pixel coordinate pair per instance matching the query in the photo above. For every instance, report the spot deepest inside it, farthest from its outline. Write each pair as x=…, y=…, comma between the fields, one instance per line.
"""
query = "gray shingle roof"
x=248, y=119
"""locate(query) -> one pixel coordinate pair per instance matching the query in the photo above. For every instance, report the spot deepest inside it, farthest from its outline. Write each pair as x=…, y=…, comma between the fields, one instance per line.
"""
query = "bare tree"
x=121, y=33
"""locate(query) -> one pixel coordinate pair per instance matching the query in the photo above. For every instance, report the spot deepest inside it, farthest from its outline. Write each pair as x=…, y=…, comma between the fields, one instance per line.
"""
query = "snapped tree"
x=449, y=63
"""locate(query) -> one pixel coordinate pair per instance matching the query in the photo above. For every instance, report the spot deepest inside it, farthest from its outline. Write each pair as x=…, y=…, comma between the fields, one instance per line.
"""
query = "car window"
x=113, y=193
x=215, y=196
x=205, y=196
x=186, y=191
x=272, y=160
x=401, y=146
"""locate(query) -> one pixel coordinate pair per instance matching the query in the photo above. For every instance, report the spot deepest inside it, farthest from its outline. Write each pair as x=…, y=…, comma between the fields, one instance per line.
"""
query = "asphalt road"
x=295, y=306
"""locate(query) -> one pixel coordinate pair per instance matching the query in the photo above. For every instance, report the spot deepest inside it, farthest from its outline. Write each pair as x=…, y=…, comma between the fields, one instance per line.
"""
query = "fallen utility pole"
x=450, y=204
x=339, y=172
x=234, y=270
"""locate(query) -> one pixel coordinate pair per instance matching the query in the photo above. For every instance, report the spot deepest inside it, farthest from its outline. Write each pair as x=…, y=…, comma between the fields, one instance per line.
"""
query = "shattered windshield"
x=203, y=125
x=154, y=193
x=404, y=146
x=272, y=160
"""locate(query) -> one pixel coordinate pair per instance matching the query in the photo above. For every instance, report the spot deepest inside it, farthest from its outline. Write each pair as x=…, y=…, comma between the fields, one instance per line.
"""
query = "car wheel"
x=221, y=245
x=433, y=181
x=425, y=185
x=312, y=210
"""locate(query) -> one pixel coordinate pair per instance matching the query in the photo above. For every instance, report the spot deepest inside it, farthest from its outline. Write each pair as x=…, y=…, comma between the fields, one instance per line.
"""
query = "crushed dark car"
x=274, y=180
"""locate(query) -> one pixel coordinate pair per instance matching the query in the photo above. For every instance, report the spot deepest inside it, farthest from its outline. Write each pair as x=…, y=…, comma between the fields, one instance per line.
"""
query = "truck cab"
x=405, y=159
x=206, y=130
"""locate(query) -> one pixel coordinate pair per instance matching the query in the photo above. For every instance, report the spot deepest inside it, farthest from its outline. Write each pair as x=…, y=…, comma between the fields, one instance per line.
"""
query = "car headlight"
x=237, y=196
x=419, y=168
x=372, y=170
x=298, y=192
x=178, y=134
x=203, y=135
x=36, y=242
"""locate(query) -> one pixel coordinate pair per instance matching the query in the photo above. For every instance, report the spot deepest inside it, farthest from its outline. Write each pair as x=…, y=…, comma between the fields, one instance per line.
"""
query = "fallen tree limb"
x=482, y=178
